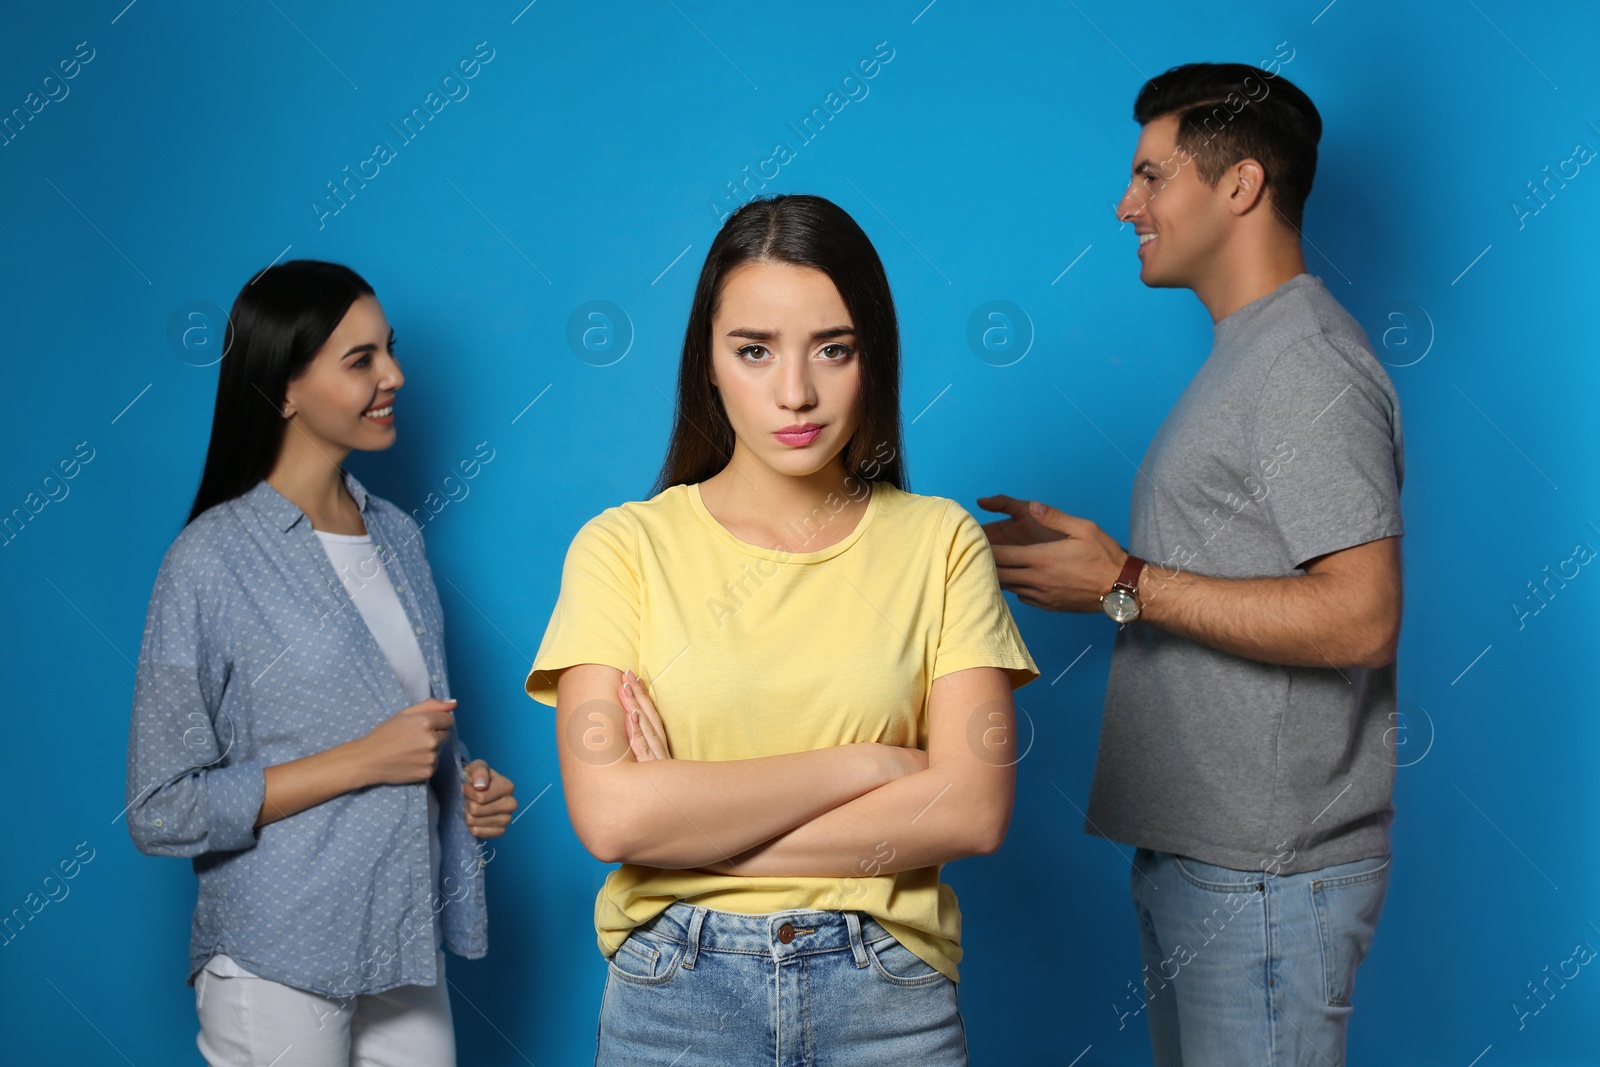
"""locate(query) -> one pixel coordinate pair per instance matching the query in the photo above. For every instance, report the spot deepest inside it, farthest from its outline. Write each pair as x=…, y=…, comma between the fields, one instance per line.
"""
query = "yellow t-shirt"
x=750, y=652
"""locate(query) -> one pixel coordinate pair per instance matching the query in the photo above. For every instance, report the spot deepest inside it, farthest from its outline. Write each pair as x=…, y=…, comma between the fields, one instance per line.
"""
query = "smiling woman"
x=306, y=757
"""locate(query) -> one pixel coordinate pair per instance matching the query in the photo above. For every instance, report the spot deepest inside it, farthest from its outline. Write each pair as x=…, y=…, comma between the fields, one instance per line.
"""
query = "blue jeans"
x=695, y=987
x=1245, y=968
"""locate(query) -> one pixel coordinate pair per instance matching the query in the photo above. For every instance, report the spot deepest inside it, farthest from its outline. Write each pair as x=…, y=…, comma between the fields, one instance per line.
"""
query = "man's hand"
x=1020, y=529
x=1068, y=567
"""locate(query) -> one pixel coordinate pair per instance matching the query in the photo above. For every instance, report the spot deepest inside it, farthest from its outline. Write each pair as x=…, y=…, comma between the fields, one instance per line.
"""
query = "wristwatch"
x=1122, y=602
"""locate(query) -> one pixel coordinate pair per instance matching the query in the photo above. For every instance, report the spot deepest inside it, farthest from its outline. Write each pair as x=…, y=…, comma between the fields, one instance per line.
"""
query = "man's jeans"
x=1246, y=968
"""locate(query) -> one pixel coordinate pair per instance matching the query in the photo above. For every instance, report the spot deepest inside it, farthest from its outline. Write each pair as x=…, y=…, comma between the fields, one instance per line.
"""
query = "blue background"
x=588, y=163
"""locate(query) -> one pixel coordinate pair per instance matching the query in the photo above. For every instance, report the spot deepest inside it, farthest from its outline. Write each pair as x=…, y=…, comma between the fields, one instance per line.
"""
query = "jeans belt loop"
x=858, y=948
x=693, y=950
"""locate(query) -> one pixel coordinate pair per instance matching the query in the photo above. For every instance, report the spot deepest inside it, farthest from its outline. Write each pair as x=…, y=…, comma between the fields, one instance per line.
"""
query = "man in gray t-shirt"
x=1252, y=686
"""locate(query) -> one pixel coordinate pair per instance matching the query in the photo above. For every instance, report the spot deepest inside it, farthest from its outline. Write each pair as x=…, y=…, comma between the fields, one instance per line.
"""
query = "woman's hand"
x=404, y=748
x=489, y=800
x=647, y=735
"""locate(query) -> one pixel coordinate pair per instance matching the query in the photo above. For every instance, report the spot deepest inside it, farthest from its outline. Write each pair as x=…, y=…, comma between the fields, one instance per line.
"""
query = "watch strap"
x=1129, y=578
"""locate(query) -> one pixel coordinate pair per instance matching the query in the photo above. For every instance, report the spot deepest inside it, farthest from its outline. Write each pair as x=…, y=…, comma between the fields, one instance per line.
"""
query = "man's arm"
x=960, y=806
x=688, y=813
x=1343, y=612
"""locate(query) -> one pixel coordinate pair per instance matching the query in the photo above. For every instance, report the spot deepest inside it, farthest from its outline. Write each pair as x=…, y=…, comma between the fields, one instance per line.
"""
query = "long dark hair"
x=806, y=231
x=279, y=321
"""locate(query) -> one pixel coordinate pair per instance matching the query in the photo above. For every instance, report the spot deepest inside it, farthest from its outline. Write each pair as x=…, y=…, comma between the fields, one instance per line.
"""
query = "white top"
x=361, y=573
x=363, y=577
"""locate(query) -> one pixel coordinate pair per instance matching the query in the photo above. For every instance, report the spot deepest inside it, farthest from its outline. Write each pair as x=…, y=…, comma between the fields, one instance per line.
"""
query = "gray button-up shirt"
x=254, y=654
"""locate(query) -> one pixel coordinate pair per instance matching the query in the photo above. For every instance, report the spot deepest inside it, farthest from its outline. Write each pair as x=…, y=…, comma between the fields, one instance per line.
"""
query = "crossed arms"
x=817, y=813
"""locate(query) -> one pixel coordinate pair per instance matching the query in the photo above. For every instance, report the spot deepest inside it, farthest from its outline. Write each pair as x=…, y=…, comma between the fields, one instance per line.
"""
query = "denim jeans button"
x=786, y=933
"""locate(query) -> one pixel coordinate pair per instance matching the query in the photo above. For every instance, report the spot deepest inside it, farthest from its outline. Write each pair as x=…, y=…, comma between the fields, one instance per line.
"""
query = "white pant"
x=247, y=1021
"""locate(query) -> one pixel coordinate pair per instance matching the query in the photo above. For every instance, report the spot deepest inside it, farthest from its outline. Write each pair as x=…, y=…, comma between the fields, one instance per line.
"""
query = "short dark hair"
x=279, y=321
x=806, y=231
x=1274, y=122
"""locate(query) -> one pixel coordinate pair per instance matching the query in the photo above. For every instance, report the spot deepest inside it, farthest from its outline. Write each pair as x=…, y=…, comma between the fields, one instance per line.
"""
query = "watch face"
x=1120, y=605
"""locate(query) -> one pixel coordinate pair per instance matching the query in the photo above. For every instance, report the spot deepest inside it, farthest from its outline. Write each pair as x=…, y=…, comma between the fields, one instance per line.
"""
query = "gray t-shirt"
x=1285, y=446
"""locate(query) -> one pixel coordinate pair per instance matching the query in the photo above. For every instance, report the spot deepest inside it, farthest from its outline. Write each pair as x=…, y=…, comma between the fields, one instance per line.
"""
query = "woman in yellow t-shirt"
x=783, y=685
